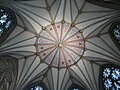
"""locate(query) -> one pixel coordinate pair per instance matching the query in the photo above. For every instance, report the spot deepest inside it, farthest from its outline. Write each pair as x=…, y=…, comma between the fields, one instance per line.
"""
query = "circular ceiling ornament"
x=60, y=44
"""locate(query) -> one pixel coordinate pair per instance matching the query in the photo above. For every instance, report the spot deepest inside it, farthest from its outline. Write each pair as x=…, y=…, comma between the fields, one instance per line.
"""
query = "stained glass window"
x=76, y=87
x=36, y=86
x=115, y=33
x=7, y=21
x=111, y=77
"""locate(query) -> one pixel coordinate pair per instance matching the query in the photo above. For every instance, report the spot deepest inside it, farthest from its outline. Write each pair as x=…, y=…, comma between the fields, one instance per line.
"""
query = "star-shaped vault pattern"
x=62, y=63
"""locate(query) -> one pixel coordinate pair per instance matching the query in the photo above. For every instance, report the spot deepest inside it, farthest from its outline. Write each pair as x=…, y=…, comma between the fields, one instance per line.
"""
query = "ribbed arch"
x=61, y=42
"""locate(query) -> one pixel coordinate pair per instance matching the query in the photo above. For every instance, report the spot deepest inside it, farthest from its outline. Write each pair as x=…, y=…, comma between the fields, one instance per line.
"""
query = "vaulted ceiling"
x=60, y=42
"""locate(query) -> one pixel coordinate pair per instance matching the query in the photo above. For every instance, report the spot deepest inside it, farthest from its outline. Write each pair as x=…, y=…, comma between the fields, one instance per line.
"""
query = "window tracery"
x=111, y=77
x=7, y=22
x=39, y=85
x=115, y=33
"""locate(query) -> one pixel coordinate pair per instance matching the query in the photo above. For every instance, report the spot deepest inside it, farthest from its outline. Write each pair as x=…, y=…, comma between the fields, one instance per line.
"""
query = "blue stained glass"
x=113, y=88
x=75, y=89
x=39, y=85
x=111, y=78
x=1, y=30
x=5, y=21
x=8, y=24
x=117, y=86
x=108, y=83
x=119, y=81
x=106, y=72
x=117, y=32
x=115, y=74
x=37, y=88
